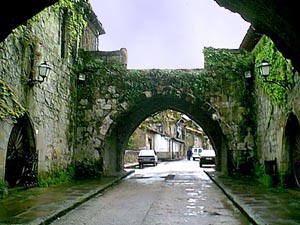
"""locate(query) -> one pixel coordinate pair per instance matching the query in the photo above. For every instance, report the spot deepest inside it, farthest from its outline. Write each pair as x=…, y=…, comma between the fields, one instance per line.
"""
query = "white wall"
x=161, y=144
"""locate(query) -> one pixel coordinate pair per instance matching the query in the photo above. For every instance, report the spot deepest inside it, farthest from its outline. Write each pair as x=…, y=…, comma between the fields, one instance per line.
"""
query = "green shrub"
x=266, y=180
x=3, y=189
x=261, y=176
x=56, y=177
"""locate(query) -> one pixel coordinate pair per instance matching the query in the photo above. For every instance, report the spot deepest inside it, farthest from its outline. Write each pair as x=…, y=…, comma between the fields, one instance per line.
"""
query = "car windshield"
x=197, y=150
x=208, y=153
x=146, y=152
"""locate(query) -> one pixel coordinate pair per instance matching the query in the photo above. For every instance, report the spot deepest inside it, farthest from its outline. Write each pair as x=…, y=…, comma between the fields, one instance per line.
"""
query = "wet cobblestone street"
x=263, y=206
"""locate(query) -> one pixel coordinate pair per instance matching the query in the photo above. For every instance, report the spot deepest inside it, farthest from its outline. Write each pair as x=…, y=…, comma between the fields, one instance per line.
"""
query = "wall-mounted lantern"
x=81, y=77
x=264, y=70
x=43, y=70
x=214, y=116
x=247, y=74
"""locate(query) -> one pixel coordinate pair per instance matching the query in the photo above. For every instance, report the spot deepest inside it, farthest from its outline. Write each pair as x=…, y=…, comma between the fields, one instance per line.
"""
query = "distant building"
x=195, y=137
x=170, y=138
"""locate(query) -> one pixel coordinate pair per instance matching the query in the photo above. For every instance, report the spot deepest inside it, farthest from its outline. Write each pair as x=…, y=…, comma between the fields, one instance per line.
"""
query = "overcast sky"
x=167, y=34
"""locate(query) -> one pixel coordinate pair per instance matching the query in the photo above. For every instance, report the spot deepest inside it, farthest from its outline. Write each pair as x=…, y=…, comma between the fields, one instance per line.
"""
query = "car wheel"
x=140, y=165
x=200, y=164
x=194, y=159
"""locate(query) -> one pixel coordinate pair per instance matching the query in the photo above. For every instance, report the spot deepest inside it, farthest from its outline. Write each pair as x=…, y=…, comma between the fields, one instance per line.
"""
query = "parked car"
x=196, y=153
x=208, y=156
x=147, y=156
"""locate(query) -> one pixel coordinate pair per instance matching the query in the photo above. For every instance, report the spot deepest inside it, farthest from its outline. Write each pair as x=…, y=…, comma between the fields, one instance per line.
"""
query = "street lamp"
x=214, y=116
x=264, y=70
x=247, y=74
x=43, y=70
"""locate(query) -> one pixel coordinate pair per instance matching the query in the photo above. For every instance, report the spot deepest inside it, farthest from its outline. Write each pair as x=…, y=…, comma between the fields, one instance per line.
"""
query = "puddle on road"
x=164, y=177
x=192, y=194
x=146, y=179
x=192, y=200
x=190, y=189
x=191, y=207
x=170, y=177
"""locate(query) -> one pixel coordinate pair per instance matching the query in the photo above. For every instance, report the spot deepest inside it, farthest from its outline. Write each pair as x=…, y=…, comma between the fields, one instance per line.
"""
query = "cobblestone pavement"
x=271, y=206
x=39, y=206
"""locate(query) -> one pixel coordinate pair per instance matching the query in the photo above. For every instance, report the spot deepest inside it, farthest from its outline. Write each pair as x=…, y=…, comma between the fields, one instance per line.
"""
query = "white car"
x=208, y=156
x=147, y=156
x=196, y=152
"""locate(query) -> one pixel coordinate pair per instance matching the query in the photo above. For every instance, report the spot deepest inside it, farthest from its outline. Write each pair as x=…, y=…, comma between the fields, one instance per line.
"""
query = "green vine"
x=75, y=11
x=182, y=83
x=226, y=69
x=134, y=83
x=10, y=108
x=281, y=70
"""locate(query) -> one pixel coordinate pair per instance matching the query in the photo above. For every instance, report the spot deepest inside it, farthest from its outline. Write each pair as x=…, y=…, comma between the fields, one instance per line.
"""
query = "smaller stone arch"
x=291, y=153
x=124, y=125
x=21, y=157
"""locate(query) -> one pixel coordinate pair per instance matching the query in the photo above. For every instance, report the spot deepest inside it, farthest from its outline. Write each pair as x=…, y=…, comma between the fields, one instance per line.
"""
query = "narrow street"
x=170, y=193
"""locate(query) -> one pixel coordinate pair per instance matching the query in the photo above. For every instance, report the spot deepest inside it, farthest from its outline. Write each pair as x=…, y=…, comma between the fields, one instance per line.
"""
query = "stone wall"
x=272, y=117
x=95, y=109
x=272, y=120
x=50, y=105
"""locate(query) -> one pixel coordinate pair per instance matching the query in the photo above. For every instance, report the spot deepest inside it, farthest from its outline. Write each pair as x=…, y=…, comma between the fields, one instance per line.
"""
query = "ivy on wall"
x=223, y=73
x=191, y=84
x=10, y=108
x=281, y=70
x=134, y=83
x=75, y=11
x=226, y=69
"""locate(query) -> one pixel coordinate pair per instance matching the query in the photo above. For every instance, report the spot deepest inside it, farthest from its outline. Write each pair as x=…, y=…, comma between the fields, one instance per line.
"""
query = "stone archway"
x=125, y=125
x=112, y=103
x=21, y=156
x=292, y=139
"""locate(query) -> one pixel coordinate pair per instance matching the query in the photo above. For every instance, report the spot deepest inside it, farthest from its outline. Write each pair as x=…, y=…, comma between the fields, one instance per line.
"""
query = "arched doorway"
x=292, y=135
x=21, y=157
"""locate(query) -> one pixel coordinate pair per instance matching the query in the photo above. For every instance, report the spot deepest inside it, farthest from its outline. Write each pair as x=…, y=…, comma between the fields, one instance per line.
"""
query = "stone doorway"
x=21, y=157
x=292, y=135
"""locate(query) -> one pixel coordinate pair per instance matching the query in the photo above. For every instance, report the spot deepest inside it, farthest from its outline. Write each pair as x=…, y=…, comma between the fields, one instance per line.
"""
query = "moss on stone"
x=10, y=108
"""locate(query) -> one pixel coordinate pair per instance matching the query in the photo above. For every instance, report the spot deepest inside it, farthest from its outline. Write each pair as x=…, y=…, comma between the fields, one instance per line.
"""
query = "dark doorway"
x=292, y=134
x=21, y=158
